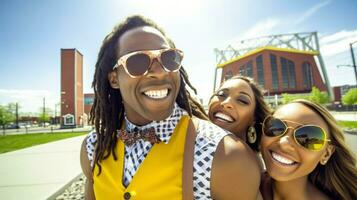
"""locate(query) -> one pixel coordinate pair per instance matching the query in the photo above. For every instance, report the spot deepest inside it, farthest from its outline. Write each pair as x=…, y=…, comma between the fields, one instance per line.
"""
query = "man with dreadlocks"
x=152, y=140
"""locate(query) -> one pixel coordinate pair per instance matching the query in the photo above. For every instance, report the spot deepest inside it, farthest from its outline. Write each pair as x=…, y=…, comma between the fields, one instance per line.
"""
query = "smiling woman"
x=306, y=155
x=239, y=107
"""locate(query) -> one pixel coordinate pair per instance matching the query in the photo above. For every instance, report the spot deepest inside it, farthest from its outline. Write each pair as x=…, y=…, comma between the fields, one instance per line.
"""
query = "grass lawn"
x=15, y=142
x=348, y=124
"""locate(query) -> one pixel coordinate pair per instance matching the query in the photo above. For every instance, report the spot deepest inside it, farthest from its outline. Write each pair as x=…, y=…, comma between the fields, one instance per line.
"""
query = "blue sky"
x=33, y=32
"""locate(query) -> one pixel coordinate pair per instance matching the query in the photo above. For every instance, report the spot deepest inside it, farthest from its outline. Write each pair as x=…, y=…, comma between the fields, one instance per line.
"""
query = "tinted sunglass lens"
x=273, y=127
x=171, y=59
x=310, y=137
x=138, y=64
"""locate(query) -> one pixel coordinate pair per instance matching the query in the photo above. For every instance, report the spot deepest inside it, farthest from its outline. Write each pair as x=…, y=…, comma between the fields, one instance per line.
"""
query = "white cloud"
x=261, y=28
x=338, y=42
x=279, y=25
x=337, y=36
x=30, y=101
x=335, y=50
x=311, y=11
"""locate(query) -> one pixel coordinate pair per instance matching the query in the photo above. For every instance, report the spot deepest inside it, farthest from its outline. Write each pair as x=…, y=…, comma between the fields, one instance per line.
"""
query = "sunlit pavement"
x=351, y=139
x=48, y=129
x=345, y=116
x=40, y=171
x=352, y=142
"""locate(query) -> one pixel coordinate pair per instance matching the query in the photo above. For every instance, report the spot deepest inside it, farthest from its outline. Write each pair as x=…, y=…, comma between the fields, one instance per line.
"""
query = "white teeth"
x=282, y=159
x=157, y=94
x=224, y=117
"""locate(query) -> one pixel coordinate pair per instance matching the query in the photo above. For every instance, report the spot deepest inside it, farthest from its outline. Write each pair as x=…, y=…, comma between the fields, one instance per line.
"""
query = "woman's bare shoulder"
x=235, y=171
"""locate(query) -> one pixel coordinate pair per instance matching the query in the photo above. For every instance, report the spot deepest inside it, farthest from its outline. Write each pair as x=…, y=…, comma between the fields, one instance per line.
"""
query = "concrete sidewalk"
x=345, y=116
x=40, y=171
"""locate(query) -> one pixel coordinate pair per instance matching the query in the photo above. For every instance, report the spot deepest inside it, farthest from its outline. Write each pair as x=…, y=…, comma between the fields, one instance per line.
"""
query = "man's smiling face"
x=152, y=96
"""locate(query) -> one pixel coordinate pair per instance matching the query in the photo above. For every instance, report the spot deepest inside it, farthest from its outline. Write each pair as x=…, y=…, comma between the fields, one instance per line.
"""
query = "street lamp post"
x=353, y=59
x=44, y=111
x=17, y=116
x=56, y=105
x=55, y=121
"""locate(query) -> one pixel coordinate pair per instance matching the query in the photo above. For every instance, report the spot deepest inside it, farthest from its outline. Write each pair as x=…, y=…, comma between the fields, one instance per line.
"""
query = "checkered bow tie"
x=129, y=139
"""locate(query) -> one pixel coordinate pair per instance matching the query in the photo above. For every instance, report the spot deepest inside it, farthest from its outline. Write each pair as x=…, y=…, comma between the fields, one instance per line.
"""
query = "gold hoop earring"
x=251, y=135
x=323, y=162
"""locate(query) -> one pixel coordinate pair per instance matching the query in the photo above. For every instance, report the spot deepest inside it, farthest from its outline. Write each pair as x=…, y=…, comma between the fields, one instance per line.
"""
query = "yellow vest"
x=159, y=176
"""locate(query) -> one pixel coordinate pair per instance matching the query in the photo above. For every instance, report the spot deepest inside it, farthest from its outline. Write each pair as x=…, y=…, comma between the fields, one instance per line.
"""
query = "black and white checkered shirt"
x=208, y=137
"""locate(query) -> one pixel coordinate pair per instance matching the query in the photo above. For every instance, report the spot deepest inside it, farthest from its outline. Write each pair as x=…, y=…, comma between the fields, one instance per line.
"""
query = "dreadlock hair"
x=107, y=112
x=337, y=178
x=261, y=108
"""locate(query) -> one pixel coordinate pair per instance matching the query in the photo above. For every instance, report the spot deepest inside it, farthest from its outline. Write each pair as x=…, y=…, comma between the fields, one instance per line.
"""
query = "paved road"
x=40, y=171
x=352, y=142
x=345, y=116
x=49, y=129
x=350, y=138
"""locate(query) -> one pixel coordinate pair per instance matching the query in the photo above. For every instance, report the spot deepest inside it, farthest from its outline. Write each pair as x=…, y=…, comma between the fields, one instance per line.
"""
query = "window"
x=228, y=75
x=292, y=79
x=284, y=73
x=306, y=75
x=88, y=100
x=250, y=69
x=246, y=70
x=288, y=73
x=242, y=71
x=260, y=70
x=68, y=119
x=274, y=72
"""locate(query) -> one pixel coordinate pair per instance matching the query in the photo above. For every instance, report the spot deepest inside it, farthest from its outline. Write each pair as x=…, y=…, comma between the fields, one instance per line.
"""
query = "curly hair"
x=107, y=113
x=337, y=178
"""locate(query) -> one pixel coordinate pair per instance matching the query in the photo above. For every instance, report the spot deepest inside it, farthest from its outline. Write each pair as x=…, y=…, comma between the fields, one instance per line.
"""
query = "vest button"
x=127, y=195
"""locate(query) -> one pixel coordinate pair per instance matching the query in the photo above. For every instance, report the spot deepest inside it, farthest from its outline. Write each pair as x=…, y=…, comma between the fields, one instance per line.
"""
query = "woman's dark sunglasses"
x=138, y=63
x=310, y=137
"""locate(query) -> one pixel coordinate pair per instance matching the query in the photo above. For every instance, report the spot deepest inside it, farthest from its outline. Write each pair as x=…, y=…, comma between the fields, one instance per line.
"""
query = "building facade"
x=88, y=103
x=278, y=70
x=340, y=91
x=72, y=108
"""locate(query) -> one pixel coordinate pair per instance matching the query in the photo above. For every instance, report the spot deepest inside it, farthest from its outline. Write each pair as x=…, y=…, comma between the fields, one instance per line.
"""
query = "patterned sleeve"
x=208, y=137
x=91, y=141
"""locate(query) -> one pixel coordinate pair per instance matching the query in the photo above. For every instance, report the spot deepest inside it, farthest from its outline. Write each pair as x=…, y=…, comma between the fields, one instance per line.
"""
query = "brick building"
x=278, y=70
x=72, y=108
x=339, y=91
x=88, y=103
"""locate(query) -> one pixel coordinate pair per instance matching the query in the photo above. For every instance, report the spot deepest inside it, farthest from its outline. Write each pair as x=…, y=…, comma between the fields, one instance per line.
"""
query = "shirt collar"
x=163, y=128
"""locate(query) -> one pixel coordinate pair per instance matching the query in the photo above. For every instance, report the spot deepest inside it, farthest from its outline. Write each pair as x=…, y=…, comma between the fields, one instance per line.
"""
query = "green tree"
x=11, y=107
x=286, y=98
x=6, y=116
x=318, y=97
x=350, y=98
